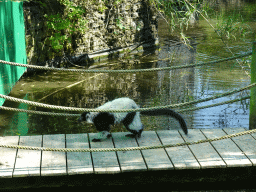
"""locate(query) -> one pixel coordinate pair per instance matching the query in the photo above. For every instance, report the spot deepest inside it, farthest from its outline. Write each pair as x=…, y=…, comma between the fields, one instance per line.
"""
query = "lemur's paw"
x=96, y=140
x=131, y=135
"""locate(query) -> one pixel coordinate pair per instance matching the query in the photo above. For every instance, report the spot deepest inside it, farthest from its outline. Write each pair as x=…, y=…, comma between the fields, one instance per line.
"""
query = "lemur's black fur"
x=131, y=120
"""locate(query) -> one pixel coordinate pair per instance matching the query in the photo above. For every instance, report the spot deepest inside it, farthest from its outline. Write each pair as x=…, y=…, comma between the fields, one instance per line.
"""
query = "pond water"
x=148, y=89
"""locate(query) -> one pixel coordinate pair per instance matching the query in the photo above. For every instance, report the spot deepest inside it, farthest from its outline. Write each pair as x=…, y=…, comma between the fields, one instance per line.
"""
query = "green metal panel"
x=252, y=117
x=12, y=44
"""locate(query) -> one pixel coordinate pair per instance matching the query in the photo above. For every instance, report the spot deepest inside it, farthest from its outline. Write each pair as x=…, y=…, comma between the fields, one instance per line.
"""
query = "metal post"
x=252, y=119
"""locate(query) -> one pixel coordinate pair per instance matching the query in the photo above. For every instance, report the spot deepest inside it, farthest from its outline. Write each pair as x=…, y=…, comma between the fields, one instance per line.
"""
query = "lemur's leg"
x=102, y=135
x=134, y=133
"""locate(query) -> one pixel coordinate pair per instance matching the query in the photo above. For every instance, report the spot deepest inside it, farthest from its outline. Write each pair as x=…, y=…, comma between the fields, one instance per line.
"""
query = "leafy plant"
x=63, y=26
x=232, y=27
x=119, y=23
x=177, y=13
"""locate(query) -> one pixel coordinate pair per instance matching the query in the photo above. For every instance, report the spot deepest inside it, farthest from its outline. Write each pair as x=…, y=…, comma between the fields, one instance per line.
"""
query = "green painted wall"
x=12, y=44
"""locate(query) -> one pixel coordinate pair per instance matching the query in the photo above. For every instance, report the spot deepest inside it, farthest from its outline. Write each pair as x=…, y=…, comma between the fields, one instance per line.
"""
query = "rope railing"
x=214, y=105
x=76, y=115
x=123, y=110
x=127, y=148
x=124, y=71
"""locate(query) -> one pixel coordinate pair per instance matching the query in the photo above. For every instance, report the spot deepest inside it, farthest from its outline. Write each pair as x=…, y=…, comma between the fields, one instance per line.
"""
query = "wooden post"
x=252, y=119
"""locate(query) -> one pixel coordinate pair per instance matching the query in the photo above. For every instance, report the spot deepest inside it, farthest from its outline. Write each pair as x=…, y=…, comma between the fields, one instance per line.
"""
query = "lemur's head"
x=83, y=117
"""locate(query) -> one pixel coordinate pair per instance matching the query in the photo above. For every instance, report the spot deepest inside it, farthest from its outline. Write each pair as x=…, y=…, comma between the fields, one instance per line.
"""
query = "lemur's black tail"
x=168, y=112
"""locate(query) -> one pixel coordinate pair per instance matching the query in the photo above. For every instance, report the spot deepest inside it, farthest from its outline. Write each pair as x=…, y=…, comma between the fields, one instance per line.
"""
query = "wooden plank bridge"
x=185, y=163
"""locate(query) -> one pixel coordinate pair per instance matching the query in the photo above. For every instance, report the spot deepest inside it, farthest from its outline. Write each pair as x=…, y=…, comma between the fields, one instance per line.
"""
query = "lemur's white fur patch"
x=131, y=120
x=121, y=103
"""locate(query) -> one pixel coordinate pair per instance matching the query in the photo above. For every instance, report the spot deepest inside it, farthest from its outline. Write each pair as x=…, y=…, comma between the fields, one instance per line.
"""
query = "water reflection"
x=147, y=89
x=19, y=121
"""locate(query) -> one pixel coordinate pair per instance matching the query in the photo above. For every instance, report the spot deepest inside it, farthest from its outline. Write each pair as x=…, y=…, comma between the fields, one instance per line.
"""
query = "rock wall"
x=110, y=26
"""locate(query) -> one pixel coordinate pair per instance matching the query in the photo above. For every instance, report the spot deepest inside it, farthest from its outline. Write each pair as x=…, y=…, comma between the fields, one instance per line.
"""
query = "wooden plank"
x=182, y=157
x=204, y=152
x=227, y=149
x=104, y=162
x=246, y=143
x=129, y=160
x=7, y=157
x=28, y=161
x=156, y=159
x=78, y=162
x=53, y=163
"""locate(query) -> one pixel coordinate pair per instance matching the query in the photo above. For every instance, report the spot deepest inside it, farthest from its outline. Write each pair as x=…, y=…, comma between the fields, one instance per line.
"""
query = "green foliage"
x=63, y=26
x=180, y=13
x=232, y=27
x=68, y=22
x=177, y=12
x=119, y=23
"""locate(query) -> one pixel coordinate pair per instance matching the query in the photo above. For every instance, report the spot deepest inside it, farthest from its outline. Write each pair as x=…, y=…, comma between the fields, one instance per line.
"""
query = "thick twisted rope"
x=123, y=110
x=127, y=148
x=76, y=115
x=124, y=71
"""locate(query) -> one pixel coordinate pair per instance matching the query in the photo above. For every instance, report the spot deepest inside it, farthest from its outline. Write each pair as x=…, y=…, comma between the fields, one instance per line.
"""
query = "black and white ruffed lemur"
x=131, y=120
